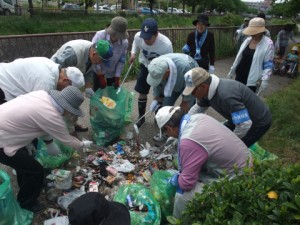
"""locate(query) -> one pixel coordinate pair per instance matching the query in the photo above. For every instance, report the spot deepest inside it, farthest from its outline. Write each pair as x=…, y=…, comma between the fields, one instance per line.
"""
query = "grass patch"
x=283, y=138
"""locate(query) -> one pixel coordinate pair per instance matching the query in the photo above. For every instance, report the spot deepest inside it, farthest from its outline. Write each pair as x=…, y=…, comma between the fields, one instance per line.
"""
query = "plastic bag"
x=10, y=211
x=108, y=123
x=67, y=199
x=49, y=161
x=163, y=192
x=260, y=154
x=140, y=196
x=57, y=220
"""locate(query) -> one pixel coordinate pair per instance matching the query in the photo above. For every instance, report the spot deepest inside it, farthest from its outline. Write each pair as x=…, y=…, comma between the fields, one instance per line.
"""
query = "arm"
x=122, y=59
x=292, y=37
x=242, y=121
x=211, y=50
x=267, y=65
x=193, y=156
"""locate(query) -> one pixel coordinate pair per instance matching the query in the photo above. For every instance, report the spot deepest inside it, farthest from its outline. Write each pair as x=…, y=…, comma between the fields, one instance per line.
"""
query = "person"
x=93, y=209
x=206, y=151
x=25, y=75
x=282, y=40
x=200, y=44
x=291, y=60
x=263, y=16
x=254, y=60
x=247, y=115
x=85, y=56
x=117, y=36
x=239, y=37
x=149, y=43
x=42, y=114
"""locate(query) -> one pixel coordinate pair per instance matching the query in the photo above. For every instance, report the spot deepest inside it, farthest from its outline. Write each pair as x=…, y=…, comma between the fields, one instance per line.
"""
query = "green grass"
x=283, y=138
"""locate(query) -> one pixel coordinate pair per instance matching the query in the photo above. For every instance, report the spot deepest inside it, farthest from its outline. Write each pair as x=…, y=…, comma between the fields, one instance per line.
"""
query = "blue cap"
x=148, y=29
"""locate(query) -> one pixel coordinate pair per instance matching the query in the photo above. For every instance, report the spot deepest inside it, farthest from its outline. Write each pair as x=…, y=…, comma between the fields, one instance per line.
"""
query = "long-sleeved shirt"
x=117, y=61
x=28, y=117
x=26, y=75
x=283, y=38
x=161, y=46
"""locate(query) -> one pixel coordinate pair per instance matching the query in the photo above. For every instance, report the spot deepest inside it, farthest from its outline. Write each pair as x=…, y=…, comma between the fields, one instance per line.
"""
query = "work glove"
x=172, y=141
x=211, y=69
x=117, y=82
x=154, y=105
x=174, y=182
x=31, y=149
x=89, y=92
x=53, y=149
x=102, y=81
x=86, y=144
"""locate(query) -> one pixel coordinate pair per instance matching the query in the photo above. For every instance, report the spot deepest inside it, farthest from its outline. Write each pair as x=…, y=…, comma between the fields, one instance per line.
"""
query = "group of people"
x=47, y=94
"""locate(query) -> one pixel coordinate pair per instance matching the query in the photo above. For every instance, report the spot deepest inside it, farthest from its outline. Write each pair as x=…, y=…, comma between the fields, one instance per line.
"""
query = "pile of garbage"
x=127, y=171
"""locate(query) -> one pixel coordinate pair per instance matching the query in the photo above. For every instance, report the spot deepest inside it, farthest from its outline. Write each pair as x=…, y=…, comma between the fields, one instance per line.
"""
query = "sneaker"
x=38, y=207
x=159, y=138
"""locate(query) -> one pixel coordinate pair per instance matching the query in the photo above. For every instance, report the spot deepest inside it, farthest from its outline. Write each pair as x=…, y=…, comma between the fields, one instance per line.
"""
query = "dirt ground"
x=149, y=129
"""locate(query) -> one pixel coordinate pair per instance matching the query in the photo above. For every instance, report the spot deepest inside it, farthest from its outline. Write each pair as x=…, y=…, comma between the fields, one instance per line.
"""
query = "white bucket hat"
x=295, y=48
x=76, y=76
x=164, y=115
x=70, y=99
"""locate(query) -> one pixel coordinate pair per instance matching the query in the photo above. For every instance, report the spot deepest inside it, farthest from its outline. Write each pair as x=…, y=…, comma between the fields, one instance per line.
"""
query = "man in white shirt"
x=149, y=44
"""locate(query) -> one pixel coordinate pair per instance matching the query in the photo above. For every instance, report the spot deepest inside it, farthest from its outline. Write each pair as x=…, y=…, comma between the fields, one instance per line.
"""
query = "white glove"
x=31, y=149
x=154, y=105
x=172, y=141
x=264, y=85
x=87, y=144
x=89, y=92
x=211, y=69
x=53, y=149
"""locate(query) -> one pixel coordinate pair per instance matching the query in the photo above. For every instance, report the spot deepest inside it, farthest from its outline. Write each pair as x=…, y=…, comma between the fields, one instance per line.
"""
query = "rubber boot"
x=142, y=103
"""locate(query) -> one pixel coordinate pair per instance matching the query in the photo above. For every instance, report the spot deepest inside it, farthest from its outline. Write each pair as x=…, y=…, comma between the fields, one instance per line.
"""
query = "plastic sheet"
x=10, y=211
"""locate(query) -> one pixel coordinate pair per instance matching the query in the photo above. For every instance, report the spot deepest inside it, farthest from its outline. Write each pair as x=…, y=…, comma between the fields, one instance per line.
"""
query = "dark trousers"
x=30, y=175
x=2, y=97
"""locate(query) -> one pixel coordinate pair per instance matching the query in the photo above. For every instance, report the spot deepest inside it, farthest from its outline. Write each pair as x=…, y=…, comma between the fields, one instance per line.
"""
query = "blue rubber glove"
x=174, y=180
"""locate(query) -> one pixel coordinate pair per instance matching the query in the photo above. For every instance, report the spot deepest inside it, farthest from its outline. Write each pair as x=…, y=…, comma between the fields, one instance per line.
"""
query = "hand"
x=211, y=69
x=89, y=92
x=87, y=144
x=117, y=82
x=102, y=81
x=53, y=149
x=174, y=180
x=132, y=59
x=154, y=105
x=31, y=149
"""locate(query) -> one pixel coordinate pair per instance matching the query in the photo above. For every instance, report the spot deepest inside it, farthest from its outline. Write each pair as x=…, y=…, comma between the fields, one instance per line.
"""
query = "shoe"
x=159, y=138
x=38, y=207
x=140, y=122
x=79, y=128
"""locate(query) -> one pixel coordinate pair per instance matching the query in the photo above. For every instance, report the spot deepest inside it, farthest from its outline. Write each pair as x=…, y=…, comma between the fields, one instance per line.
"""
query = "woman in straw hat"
x=254, y=61
x=117, y=36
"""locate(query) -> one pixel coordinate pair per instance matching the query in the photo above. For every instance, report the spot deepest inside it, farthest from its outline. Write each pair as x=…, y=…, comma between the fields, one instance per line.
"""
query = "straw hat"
x=256, y=26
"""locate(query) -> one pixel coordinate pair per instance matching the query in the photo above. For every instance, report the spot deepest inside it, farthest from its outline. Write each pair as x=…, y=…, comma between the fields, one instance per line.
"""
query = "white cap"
x=76, y=76
x=157, y=69
x=164, y=115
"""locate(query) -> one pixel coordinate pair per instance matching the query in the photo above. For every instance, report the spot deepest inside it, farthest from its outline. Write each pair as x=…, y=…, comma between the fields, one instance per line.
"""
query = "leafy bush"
x=266, y=194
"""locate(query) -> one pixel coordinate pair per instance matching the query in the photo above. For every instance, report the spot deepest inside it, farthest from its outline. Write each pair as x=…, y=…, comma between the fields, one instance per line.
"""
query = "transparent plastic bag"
x=139, y=197
x=261, y=154
x=10, y=211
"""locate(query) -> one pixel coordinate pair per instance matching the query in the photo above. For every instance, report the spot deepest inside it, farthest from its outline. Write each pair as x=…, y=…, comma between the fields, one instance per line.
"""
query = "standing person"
x=200, y=44
x=248, y=116
x=282, y=40
x=117, y=36
x=42, y=114
x=166, y=76
x=85, y=56
x=239, y=37
x=263, y=16
x=254, y=61
x=149, y=43
x=206, y=150
x=25, y=75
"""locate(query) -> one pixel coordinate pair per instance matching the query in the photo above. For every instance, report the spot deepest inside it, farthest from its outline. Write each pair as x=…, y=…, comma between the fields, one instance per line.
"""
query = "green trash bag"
x=139, y=195
x=49, y=161
x=163, y=192
x=261, y=154
x=108, y=123
x=10, y=211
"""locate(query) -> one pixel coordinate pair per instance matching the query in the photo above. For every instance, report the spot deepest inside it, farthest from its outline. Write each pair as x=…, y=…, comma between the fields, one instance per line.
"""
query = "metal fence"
x=20, y=46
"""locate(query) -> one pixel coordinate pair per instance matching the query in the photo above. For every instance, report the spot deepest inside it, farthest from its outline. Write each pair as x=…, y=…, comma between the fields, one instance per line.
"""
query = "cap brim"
x=117, y=34
x=118, y=214
x=56, y=95
x=188, y=90
x=204, y=22
x=253, y=30
x=153, y=82
x=146, y=36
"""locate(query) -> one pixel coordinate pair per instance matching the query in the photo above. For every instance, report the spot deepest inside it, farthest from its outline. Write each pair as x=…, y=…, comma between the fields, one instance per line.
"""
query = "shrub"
x=266, y=194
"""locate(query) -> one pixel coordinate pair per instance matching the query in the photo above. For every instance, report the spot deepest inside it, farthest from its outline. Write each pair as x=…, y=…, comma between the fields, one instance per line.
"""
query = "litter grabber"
x=135, y=126
x=119, y=89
